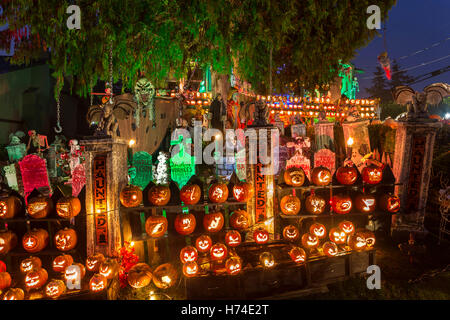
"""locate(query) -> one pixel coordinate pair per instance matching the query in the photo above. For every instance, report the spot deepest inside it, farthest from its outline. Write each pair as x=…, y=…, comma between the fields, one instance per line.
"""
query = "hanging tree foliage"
x=160, y=38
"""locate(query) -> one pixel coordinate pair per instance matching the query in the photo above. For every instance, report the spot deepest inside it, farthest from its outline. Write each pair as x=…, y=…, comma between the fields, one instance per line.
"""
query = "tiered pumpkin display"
x=243, y=191
x=341, y=204
x=190, y=194
x=239, y=220
x=310, y=241
x=218, y=252
x=338, y=236
x=190, y=269
x=156, y=226
x=94, y=261
x=98, y=283
x=185, y=223
x=68, y=207
x=8, y=241
x=75, y=272
x=159, y=195
x=357, y=241
x=347, y=227
x=298, y=255
x=365, y=203
x=233, y=238
x=30, y=264
x=321, y=176
x=55, y=288
x=39, y=207
x=267, y=260
x=372, y=174
x=389, y=203
x=318, y=230
x=109, y=268
x=131, y=196
x=36, y=279
x=203, y=243
x=35, y=240
x=294, y=176
x=14, y=294
x=261, y=236
x=291, y=233
x=9, y=207
x=233, y=265
x=61, y=262
x=5, y=280
x=213, y=222
x=330, y=249
x=218, y=192
x=139, y=275
x=290, y=205
x=165, y=276
x=188, y=254
x=347, y=175
x=66, y=239
x=314, y=203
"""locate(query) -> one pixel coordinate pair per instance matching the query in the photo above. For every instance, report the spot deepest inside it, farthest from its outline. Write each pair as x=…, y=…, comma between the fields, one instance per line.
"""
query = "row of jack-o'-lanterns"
x=340, y=203
x=37, y=240
x=159, y=195
x=321, y=176
x=39, y=207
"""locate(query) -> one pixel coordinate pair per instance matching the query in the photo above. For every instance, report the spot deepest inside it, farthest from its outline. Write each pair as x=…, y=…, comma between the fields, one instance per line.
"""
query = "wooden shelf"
x=34, y=220
x=337, y=186
x=334, y=215
x=46, y=252
x=180, y=207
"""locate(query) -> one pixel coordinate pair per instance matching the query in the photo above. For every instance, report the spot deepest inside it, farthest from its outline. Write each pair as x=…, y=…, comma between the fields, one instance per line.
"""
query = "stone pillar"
x=414, y=143
x=114, y=152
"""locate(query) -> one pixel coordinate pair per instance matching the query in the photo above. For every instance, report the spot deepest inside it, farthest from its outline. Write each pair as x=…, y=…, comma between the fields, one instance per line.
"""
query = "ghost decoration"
x=144, y=92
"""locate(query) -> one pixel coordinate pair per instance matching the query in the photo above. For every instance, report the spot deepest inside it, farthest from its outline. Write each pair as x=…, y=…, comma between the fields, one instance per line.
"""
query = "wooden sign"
x=415, y=175
x=261, y=194
x=326, y=158
x=33, y=170
x=100, y=202
x=142, y=161
x=78, y=179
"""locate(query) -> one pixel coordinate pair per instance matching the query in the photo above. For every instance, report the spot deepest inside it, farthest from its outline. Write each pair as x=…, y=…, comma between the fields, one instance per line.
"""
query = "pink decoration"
x=34, y=174
x=326, y=158
x=78, y=179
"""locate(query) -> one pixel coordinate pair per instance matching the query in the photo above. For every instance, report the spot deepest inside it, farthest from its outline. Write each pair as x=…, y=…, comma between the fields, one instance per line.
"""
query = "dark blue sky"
x=412, y=25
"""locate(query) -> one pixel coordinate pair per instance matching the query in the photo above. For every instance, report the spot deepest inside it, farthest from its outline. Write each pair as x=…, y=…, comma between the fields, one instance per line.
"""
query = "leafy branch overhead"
x=161, y=38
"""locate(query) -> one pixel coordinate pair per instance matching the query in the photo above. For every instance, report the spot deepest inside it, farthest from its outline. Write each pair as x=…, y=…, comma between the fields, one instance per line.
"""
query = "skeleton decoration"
x=417, y=102
x=144, y=93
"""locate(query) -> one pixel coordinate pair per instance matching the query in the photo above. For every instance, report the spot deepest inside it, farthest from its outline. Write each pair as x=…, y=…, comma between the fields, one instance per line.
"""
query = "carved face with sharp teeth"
x=318, y=230
x=188, y=254
x=291, y=233
x=261, y=236
x=219, y=251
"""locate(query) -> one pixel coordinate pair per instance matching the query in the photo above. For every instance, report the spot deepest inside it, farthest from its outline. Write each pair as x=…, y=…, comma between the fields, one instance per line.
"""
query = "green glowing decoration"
x=349, y=81
x=182, y=164
x=142, y=161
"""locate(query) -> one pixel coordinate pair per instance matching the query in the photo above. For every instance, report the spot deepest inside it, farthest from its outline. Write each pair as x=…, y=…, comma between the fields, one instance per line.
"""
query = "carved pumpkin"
x=347, y=227
x=372, y=174
x=318, y=230
x=185, y=223
x=291, y=233
x=14, y=294
x=68, y=207
x=73, y=274
x=341, y=204
x=36, y=279
x=188, y=254
x=8, y=241
x=267, y=260
x=290, y=205
x=109, y=268
x=315, y=204
x=239, y=220
x=389, y=203
x=337, y=235
x=65, y=239
x=219, y=251
x=131, y=196
x=5, y=280
x=159, y=195
x=321, y=176
x=190, y=269
x=346, y=175
x=139, y=275
x=357, y=241
x=94, y=261
x=370, y=238
x=165, y=276
x=261, y=236
x=330, y=249
x=30, y=264
x=55, y=288
x=310, y=241
x=190, y=194
x=365, y=203
x=218, y=192
x=294, y=176
x=61, y=262
x=35, y=240
x=156, y=226
x=233, y=265
x=39, y=207
x=98, y=283
x=243, y=191
x=213, y=222
x=233, y=238
x=298, y=255
x=10, y=207
x=203, y=243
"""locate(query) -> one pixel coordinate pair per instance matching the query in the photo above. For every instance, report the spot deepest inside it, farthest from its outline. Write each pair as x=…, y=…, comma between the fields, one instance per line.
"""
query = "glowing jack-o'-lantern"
x=73, y=274
x=294, y=176
x=188, y=254
x=109, y=268
x=185, y=223
x=139, y=275
x=389, y=203
x=5, y=280
x=218, y=192
x=337, y=235
x=213, y=222
x=98, y=283
x=14, y=294
x=290, y=205
x=242, y=191
x=239, y=220
x=370, y=238
x=233, y=238
x=65, y=239
x=291, y=233
x=8, y=241
x=10, y=207
x=372, y=174
x=318, y=230
x=346, y=175
x=94, y=261
x=310, y=241
x=30, y=264
x=159, y=195
x=35, y=240
x=321, y=176
x=61, y=262
x=35, y=279
x=218, y=251
x=315, y=204
x=267, y=260
x=190, y=269
x=156, y=226
x=233, y=265
x=39, y=207
x=261, y=236
x=365, y=203
x=165, y=276
x=190, y=194
x=341, y=204
x=347, y=227
x=203, y=243
x=298, y=255
x=55, y=288
x=330, y=249
x=357, y=241
x=68, y=207
x=131, y=196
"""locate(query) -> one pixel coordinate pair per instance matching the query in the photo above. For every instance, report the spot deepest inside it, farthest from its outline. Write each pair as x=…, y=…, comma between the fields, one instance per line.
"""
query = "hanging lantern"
x=218, y=251
x=346, y=175
x=298, y=255
x=233, y=238
x=365, y=203
x=261, y=236
x=389, y=203
x=139, y=275
x=233, y=265
x=188, y=254
x=30, y=264
x=61, y=262
x=190, y=194
x=337, y=235
x=310, y=241
x=291, y=233
x=372, y=174
x=35, y=279
x=159, y=195
x=156, y=226
x=165, y=276
x=8, y=241
x=185, y=223
x=330, y=249
x=131, y=196
x=294, y=176
x=10, y=207
x=190, y=269
x=239, y=220
x=213, y=222
x=66, y=239
x=290, y=205
x=318, y=230
x=357, y=241
x=347, y=227
x=321, y=176
x=98, y=283
x=14, y=294
x=267, y=260
x=315, y=204
x=35, y=240
x=39, y=207
x=341, y=204
x=55, y=288
x=243, y=191
x=218, y=193
x=203, y=243
x=94, y=261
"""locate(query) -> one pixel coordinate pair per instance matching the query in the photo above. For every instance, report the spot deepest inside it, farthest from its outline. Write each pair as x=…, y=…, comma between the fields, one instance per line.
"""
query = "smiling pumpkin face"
x=188, y=254
x=98, y=283
x=318, y=230
x=218, y=251
x=36, y=279
x=30, y=264
x=203, y=243
x=372, y=174
x=190, y=269
x=291, y=233
x=233, y=238
x=61, y=262
x=310, y=241
x=298, y=255
x=261, y=236
x=75, y=273
x=94, y=261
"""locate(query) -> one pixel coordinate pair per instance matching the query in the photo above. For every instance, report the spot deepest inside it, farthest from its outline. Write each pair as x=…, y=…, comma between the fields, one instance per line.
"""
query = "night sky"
x=412, y=25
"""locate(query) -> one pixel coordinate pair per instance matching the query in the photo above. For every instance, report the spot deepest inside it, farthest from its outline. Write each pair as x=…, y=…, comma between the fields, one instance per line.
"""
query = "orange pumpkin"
x=39, y=207
x=2, y=266
x=233, y=238
x=190, y=269
x=318, y=230
x=357, y=241
x=8, y=241
x=341, y=204
x=213, y=222
x=159, y=195
x=203, y=243
x=55, y=288
x=68, y=207
x=131, y=196
x=294, y=176
x=290, y=205
x=346, y=175
x=139, y=275
x=239, y=220
x=243, y=191
x=188, y=254
x=218, y=251
x=35, y=240
x=185, y=223
x=61, y=262
x=330, y=249
x=36, y=279
x=94, y=261
x=14, y=294
x=266, y=260
x=372, y=174
x=233, y=265
x=298, y=255
x=98, y=283
x=30, y=264
x=321, y=176
x=156, y=226
x=337, y=235
x=389, y=203
x=261, y=236
x=347, y=227
x=291, y=233
x=365, y=203
x=370, y=238
x=10, y=207
x=218, y=192
x=190, y=194
x=65, y=239
x=109, y=268
x=5, y=280
x=165, y=276
x=310, y=241
x=315, y=204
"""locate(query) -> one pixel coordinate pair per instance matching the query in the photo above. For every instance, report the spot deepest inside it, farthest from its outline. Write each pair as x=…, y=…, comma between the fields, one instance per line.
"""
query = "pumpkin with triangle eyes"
x=341, y=204
x=290, y=205
x=188, y=254
x=310, y=241
x=389, y=203
x=298, y=255
x=156, y=226
x=315, y=204
x=321, y=176
x=30, y=264
x=372, y=174
x=190, y=269
x=347, y=175
x=218, y=192
x=291, y=233
x=185, y=223
x=233, y=238
x=318, y=230
x=239, y=220
x=337, y=235
x=36, y=279
x=357, y=241
x=61, y=262
x=330, y=249
x=39, y=207
x=94, y=261
x=203, y=243
x=190, y=194
x=347, y=227
x=365, y=203
x=261, y=236
x=294, y=176
x=159, y=195
x=139, y=275
x=68, y=207
x=98, y=283
x=243, y=191
x=131, y=196
x=10, y=207
x=213, y=222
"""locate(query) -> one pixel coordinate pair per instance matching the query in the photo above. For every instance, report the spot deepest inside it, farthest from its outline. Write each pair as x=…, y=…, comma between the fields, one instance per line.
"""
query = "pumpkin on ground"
x=139, y=275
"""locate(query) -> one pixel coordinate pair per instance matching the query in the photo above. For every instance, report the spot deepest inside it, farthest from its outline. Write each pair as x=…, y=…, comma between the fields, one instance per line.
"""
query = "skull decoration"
x=291, y=233
x=267, y=260
x=330, y=249
x=190, y=269
x=188, y=254
x=144, y=92
x=318, y=230
x=233, y=265
x=298, y=255
x=233, y=238
x=203, y=243
x=218, y=251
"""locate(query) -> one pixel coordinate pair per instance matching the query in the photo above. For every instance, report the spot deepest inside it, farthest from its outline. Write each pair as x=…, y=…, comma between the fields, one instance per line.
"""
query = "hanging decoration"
x=385, y=63
x=34, y=175
x=144, y=93
x=162, y=169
